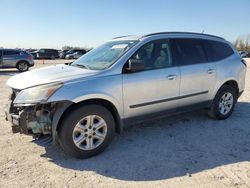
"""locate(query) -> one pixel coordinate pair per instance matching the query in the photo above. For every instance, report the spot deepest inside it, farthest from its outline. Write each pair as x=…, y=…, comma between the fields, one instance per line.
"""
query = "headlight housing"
x=37, y=94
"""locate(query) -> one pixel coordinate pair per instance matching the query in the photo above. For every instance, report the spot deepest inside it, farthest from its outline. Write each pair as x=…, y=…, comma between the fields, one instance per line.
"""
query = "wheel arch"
x=22, y=60
x=98, y=101
x=233, y=83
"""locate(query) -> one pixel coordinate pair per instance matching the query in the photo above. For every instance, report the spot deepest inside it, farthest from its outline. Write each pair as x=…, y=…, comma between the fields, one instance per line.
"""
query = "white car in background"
x=75, y=55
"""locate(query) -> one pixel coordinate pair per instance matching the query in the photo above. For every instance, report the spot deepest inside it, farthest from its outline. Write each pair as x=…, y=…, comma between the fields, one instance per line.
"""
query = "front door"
x=155, y=88
x=41, y=54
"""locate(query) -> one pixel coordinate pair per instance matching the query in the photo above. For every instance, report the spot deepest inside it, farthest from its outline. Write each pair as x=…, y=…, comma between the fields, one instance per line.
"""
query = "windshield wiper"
x=80, y=65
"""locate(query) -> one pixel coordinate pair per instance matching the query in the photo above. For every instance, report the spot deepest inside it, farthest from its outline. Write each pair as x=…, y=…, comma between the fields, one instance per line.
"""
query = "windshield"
x=105, y=55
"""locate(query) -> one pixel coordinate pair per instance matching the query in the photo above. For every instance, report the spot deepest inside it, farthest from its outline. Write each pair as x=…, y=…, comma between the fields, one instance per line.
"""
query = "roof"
x=133, y=37
x=10, y=49
x=128, y=37
x=175, y=32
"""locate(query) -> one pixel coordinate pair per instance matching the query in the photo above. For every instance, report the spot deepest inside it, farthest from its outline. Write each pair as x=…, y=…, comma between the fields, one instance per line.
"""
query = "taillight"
x=30, y=57
x=244, y=62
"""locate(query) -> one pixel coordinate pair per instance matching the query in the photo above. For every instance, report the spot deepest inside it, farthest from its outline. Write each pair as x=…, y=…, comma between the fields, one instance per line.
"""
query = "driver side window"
x=154, y=55
x=42, y=51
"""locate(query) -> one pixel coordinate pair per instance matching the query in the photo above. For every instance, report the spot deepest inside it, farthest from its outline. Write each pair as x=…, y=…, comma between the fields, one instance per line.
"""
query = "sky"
x=89, y=23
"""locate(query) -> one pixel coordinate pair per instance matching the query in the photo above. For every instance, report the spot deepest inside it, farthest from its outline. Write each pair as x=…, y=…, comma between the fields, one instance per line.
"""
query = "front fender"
x=103, y=96
x=108, y=88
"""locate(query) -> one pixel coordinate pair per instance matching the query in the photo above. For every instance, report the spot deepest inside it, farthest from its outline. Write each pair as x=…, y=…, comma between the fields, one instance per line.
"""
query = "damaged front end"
x=30, y=113
x=30, y=119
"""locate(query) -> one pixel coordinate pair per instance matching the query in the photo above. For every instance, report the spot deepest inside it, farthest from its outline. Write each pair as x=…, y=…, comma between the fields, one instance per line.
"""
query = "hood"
x=47, y=75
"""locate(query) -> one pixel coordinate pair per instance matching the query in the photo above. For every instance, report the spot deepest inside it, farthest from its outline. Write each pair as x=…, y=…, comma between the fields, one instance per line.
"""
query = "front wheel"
x=86, y=131
x=223, y=103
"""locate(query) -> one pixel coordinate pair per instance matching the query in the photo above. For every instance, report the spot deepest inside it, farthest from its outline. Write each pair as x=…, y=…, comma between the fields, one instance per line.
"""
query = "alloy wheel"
x=90, y=132
x=22, y=66
x=226, y=103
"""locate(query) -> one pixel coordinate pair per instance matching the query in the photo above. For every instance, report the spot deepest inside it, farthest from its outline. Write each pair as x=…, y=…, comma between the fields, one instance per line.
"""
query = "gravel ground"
x=187, y=150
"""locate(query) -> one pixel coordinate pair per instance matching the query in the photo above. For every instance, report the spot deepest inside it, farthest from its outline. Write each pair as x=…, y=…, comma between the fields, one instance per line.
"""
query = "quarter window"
x=217, y=50
x=188, y=51
x=154, y=55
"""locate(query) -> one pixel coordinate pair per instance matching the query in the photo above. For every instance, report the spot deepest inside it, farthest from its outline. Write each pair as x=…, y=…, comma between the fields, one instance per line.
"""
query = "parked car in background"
x=12, y=58
x=126, y=80
x=75, y=55
x=30, y=50
x=62, y=53
x=45, y=53
x=72, y=52
x=244, y=54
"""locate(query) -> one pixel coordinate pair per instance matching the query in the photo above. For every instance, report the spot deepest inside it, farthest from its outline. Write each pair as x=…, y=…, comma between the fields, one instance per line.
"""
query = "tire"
x=52, y=57
x=22, y=66
x=220, y=109
x=69, y=133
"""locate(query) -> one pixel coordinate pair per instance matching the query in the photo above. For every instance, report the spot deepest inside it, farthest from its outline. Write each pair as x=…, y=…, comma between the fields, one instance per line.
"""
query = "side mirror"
x=135, y=65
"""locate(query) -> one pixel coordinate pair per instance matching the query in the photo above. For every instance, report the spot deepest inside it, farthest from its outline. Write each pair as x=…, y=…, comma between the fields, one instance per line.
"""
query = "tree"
x=71, y=47
x=243, y=43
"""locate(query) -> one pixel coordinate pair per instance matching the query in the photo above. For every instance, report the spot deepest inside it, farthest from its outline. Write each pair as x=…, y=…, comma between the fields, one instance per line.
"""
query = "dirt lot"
x=188, y=150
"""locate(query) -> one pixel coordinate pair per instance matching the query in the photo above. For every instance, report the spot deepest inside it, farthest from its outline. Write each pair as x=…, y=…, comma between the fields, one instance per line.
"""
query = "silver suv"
x=126, y=80
x=12, y=58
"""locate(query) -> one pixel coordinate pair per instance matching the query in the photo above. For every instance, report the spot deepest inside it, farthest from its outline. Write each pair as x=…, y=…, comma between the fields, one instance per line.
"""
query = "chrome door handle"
x=210, y=71
x=171, y=77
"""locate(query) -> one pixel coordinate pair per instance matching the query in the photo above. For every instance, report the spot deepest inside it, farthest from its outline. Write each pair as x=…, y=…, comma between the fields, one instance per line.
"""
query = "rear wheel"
x=23, y=66
x=223, y=103
x=52, y=57
x=86, y=131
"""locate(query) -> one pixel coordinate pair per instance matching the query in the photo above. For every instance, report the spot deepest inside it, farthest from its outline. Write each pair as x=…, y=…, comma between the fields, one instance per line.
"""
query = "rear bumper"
x=31, y=63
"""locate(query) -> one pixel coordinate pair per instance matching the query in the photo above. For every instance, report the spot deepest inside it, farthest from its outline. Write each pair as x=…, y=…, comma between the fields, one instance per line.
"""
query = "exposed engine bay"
x=33, y=119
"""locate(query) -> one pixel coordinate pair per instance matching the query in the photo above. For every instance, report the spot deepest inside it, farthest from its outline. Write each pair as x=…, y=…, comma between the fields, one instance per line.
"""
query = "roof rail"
x=176, y=32
x=122, y=36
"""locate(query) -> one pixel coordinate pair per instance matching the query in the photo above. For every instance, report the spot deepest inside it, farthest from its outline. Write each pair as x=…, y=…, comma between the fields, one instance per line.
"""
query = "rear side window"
x=11, y=52
x=217, y=50
x=24, y=53
x=188, y=51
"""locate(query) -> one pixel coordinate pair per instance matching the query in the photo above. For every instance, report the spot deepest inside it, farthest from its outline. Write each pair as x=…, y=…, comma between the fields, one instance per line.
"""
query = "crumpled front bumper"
x=18, y=121
x=31, y=119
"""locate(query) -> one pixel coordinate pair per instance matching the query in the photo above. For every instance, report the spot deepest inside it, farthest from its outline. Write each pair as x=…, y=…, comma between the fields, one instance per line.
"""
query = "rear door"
x=198, y=75
x=56, y=53
x=154, y=89
x=48, y=53
x=10, y=58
